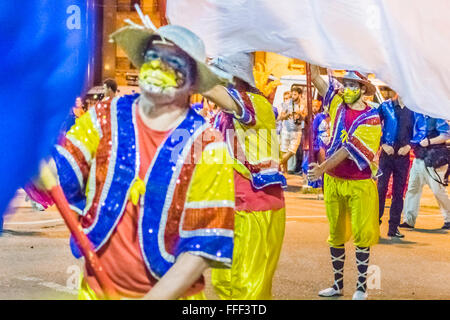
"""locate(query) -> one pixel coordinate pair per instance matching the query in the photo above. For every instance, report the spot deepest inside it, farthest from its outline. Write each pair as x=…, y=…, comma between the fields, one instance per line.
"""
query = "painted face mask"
x=163, y=70
x=152, y=73
x=351, y=94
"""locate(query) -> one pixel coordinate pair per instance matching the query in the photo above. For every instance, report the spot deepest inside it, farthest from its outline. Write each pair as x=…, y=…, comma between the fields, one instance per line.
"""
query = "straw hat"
x=357, y=76
x=134, y=40
x=240, y=65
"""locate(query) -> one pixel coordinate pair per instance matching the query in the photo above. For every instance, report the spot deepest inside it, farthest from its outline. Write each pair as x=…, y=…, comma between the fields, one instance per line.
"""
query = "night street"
x=36, y=263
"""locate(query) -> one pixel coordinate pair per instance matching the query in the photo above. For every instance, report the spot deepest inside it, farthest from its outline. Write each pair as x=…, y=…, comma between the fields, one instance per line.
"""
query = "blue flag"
x=44, y=52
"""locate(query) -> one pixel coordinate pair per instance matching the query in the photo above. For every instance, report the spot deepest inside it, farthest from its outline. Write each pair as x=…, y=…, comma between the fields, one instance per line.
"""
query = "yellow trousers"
x=258, y=237
x=352, y=209
x=86, y=293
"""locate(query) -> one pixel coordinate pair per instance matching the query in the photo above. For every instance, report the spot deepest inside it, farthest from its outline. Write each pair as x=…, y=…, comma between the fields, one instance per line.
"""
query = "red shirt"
x=121, y=256
x=348, y=169
x=250, y=199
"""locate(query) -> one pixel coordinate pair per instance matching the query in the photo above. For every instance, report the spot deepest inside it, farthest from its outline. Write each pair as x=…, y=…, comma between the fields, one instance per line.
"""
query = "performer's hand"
x=404, y=150
x=315, y=172
x=48, y=175
x=388, y=149
x=424, y=142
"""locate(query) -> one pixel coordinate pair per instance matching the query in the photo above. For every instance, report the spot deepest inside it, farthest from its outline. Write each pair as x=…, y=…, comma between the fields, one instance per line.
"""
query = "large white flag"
x=406, y=43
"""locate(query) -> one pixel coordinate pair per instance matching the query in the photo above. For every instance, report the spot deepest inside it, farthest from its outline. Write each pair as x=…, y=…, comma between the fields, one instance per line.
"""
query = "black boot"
x=337, y=261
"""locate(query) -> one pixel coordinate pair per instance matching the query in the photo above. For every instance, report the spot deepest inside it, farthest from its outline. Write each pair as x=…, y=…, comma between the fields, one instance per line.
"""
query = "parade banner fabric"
x=44, y=57
x=406, y=43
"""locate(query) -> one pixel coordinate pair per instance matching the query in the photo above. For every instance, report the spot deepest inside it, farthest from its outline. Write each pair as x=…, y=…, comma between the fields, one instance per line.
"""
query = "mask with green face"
x=152, y=73
x=351, y=95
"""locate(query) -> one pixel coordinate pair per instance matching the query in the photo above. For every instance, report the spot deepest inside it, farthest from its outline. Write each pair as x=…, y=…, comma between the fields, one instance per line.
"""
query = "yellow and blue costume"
x=353, y=202
x=259, y=230
x=351, y=199
x=186, y=199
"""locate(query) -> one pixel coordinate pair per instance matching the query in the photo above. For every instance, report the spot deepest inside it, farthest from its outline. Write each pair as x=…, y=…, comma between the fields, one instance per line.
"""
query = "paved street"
x=36, y=263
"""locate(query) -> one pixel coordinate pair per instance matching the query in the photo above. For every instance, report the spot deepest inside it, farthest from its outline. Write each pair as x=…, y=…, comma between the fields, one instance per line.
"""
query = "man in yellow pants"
x=247, y=122
x=351, y=196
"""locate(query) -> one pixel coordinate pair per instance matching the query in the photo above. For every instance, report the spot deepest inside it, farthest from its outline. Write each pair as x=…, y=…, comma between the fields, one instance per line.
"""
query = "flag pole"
x=311, y=156
x=87, y=250
x=162, y=5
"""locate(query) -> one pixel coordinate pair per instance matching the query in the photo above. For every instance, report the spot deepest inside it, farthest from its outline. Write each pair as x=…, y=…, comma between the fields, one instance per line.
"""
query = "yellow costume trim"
x=344, y=136
x=86, y=293
x=369, y=136
x=85, y=133
x=259, y=141
x=137, y=189
x=213, y=176
x=255, y=256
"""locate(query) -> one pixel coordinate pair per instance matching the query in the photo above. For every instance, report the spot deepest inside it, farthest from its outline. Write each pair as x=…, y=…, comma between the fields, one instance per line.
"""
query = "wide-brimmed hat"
x=134, y=41
x=239, y=64
x=357, y=76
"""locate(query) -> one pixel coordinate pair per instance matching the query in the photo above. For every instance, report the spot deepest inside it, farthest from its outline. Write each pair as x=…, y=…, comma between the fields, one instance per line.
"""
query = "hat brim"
x=134, y=41
x=370, y=88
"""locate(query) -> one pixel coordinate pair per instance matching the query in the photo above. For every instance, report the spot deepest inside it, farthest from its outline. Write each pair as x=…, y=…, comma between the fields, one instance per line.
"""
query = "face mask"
x=151, y=73
x=351, y=95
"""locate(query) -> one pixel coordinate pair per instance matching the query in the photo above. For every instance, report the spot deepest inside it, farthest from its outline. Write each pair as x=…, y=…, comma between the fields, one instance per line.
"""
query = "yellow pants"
x=86, y=293
x=352, y=209
x=258, y=237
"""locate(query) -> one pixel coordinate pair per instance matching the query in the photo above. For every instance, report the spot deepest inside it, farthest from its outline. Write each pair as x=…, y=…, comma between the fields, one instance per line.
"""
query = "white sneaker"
x=330, y=292
x=359, y=295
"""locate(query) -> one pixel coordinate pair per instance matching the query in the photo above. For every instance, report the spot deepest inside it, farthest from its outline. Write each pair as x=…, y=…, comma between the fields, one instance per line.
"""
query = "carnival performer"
x=397, y=123
x=429, y=167
x=321, y=140
x=151, y=181
x=350, y=193
x=247, y=121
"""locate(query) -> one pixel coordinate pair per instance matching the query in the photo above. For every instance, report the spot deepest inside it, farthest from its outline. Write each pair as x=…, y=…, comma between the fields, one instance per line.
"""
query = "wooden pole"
x=87, y=250
x=162, y=6
x=309, y=129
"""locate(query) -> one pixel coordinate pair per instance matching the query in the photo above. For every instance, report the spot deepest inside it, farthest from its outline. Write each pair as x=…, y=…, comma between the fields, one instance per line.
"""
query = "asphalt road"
x=36, y=263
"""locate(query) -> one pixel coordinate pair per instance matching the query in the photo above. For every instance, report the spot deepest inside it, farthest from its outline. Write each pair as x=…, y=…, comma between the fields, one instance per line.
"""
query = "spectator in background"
x=307, y=130
x=397, y=126
x=286, y=101
x=291, y=133
x=321, y=133
x=429, y=167
x=79, y=108
x=321, y=139
x=109, y=89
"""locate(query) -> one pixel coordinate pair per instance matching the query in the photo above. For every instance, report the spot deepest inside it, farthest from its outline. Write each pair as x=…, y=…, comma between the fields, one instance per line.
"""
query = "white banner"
x=406, y=43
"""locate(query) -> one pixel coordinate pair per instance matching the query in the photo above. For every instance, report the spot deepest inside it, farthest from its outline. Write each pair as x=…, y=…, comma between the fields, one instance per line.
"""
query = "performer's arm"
x=219, y=95
x=182, y=275
x=319, y=83
x=316, y=171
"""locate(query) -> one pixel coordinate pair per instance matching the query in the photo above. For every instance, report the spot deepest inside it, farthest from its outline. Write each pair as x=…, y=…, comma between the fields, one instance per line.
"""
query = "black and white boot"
x=362, y=263
x=337, y=261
